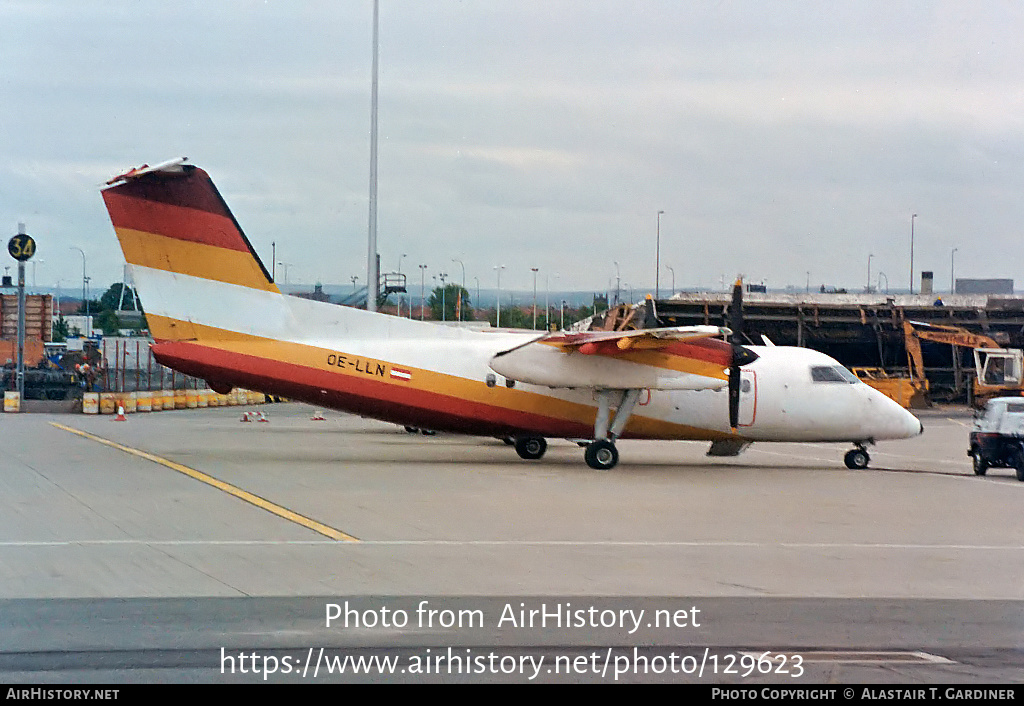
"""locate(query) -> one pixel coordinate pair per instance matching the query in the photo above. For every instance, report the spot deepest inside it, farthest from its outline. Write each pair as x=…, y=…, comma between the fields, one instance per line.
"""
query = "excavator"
x=999, y=372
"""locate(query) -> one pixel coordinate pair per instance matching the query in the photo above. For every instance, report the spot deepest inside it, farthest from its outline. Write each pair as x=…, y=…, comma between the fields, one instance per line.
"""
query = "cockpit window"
x=832, y=373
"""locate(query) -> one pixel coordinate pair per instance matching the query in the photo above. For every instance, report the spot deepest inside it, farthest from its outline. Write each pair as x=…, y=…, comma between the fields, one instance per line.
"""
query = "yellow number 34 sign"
x=21, y=247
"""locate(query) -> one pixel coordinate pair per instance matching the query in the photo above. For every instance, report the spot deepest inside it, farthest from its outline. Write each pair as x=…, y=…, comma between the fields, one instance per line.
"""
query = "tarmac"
x=157, y=548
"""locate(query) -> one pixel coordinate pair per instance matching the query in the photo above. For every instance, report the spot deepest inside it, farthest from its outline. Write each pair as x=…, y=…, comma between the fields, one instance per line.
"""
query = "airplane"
x=215, y=313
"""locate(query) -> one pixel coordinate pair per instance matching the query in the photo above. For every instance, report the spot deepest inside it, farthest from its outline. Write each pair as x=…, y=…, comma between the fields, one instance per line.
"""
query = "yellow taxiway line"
x=244, y=495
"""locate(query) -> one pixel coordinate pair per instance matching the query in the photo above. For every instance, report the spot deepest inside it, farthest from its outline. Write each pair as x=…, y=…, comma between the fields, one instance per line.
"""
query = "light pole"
x=547, y=305
x=34, y=263
x=868, y=289
x=657, y=261
x=912, y=252
x=477, y=280
x=286, y=265
x=403, y=255
x=458, y=311
x=85, y=279
x=534, y=270
x=423, y=269
x=880, y=276
x=372, y=275
x=669, y=268
x=444, y=313
x=561, y=316
x=952, y=271
x=497, y=319
x=617, y=279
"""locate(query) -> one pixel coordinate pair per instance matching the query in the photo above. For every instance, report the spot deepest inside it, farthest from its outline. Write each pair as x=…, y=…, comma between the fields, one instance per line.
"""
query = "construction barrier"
x=12, y=401
x=108, y=402
x=144, y=401
x=129, y=402
x=191, y=399
x=91, y=403
x=168, y=396
x=204, y=398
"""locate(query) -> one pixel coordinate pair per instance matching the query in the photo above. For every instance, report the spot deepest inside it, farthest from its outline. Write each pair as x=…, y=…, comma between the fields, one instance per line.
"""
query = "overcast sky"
x=779, y=138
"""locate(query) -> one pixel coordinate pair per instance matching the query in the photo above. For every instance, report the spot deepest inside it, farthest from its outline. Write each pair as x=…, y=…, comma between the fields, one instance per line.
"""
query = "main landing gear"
x=857, y=458
x=601, y=454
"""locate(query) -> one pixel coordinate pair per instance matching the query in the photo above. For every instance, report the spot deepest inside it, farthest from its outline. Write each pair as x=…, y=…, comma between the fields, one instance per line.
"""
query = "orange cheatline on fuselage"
x=435, y=400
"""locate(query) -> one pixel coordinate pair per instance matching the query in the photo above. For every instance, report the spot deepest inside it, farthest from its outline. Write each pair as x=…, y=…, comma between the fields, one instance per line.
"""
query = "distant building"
x=317, y=295
x=984, y=286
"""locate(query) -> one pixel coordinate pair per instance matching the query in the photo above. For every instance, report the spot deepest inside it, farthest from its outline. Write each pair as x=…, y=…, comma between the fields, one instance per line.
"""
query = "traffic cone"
x=246, y=417
x=260, y=417
x=318, y=416
x=120, y=414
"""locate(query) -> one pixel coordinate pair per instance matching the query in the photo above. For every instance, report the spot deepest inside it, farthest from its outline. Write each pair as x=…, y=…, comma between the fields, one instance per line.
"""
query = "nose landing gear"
x=857, y=458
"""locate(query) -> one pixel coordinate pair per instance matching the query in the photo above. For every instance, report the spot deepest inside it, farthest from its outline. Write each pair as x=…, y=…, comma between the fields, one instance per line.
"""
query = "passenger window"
x=1015, y=408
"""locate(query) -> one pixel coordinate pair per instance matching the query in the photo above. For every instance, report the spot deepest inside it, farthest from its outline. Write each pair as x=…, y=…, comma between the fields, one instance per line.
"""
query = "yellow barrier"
x=144, y=401
x=12, y=401
x=108, y=402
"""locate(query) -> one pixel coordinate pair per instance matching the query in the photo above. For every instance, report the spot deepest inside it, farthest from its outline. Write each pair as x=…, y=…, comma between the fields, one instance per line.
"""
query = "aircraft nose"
x=895, y=421
x=911, y=425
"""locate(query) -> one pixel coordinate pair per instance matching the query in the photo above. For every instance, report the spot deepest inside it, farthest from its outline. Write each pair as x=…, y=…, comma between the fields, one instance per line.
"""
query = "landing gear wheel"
x=601, y=455
x=856, y=459
x=980, y=465
x=531, y=447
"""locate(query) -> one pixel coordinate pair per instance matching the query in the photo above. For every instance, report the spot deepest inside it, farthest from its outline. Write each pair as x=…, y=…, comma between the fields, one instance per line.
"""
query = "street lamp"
x=952, y=271
x=403, y=255
x=617, y=279
x=547, y=304
x=286, y=265
x=85, y=279
x=423, y=269
x=912, y=252
x=868, y=289
x=455, y=259
x=497, y=319
x=534, y=270
x=657, y=261
x=669, y=268
x=444, y=313
x=34, y=263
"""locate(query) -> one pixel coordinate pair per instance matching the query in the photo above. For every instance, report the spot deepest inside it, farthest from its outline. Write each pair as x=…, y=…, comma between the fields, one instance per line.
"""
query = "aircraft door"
x=748, y=398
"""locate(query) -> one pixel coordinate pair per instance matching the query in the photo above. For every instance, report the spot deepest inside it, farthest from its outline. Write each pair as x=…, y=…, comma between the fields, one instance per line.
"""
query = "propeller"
x=740, y=355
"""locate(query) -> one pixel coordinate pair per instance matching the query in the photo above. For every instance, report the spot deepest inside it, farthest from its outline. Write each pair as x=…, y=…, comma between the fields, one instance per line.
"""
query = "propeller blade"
x=736, y=313
x=739, y=353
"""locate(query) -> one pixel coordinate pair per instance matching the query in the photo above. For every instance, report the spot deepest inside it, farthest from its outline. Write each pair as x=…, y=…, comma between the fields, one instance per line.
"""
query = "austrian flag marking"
x=400, y=374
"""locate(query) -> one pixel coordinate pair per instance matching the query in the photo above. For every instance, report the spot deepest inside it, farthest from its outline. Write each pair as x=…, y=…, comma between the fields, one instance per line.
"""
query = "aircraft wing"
x=677, y=358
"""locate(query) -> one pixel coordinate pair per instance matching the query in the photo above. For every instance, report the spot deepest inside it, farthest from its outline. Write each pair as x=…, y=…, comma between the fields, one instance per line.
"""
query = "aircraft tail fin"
x=179, y=236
